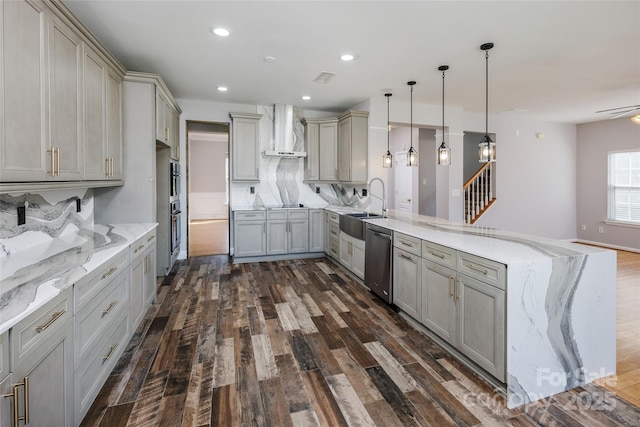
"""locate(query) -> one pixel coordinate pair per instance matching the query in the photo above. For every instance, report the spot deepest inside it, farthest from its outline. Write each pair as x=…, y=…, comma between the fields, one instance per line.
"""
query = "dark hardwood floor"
x=299, y=343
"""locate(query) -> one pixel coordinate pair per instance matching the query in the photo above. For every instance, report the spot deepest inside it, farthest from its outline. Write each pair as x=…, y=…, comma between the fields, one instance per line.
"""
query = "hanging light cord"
x=443, y=107
x=411, y=116
x=388, y=130
x=486, y=97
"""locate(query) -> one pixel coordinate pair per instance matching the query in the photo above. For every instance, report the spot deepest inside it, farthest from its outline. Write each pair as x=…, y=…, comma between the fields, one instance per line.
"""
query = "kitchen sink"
x=353, y=225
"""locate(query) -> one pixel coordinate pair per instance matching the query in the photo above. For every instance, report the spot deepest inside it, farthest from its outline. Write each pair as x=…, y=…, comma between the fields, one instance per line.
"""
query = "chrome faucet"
x=383, y=198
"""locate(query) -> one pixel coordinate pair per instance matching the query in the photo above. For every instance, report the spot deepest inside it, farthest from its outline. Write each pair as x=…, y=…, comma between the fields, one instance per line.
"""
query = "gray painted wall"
x=595, y=141
x=207, y=160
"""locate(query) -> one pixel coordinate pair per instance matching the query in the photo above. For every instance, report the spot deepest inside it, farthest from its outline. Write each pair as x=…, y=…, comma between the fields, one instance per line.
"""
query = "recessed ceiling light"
x=347, y=57
x=222, y=88
x=306, y=97
x=324, y=77
x=269, y=59
x=222, y=32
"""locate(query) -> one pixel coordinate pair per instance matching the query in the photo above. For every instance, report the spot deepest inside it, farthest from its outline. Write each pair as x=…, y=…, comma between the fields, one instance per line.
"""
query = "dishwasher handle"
x=383, y=235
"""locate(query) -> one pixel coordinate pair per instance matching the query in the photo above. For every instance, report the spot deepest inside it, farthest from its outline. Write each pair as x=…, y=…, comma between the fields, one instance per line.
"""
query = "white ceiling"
x=553, y=60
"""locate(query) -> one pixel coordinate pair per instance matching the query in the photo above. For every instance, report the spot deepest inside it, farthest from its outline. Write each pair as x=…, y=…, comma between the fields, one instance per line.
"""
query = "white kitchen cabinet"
x=287, y=231
x=316, y=230
x=140, y=278
x=167, y=122
x=332, y=237
x=407, y=282
x=245, y=147
x=438, y=300
x=6, y=404
x=24, y=140
x=249, y=233
x=322, y=149
x=175, y=134
x=353, y=140
x=352, y=254
x=42, y=356
x=150, y=275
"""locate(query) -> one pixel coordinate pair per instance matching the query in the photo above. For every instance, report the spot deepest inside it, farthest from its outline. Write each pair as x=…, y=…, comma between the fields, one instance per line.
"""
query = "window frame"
x=611, y=189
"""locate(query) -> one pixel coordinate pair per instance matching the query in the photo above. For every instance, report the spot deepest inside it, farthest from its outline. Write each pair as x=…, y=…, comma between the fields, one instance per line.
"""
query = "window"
x=624, y=187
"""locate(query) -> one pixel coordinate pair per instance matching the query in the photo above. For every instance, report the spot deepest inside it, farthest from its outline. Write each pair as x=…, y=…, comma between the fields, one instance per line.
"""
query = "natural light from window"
x=624, y=187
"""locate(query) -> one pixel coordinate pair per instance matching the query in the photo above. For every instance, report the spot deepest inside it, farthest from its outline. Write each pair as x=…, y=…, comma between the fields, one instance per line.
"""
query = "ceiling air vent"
x=324, y=77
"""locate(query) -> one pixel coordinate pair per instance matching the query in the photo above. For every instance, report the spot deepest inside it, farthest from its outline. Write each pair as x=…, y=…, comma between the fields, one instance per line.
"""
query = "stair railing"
x=478, y=192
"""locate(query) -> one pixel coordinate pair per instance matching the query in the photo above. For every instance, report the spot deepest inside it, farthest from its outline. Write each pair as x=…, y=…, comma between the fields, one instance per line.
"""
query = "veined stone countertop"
x=33, y=276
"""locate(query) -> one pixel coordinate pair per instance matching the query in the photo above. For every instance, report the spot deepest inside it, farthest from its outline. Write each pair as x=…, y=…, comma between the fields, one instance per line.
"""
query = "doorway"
x=207, y=188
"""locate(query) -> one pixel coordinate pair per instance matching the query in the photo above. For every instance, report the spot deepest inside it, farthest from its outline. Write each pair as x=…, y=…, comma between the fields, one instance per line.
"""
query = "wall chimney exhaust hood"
x=284, y=136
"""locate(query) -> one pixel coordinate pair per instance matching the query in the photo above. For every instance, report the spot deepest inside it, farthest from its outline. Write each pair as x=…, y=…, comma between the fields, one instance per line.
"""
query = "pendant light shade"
x=387, y=159
x=444, y=152
x=412, y=154
x=487, y=148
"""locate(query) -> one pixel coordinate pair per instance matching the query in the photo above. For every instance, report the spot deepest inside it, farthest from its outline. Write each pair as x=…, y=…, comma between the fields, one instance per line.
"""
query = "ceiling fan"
x=620, y=111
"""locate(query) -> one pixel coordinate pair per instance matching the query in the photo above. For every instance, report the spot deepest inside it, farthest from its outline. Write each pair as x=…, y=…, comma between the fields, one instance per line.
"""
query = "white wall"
x=595, y=140
x=535, y=178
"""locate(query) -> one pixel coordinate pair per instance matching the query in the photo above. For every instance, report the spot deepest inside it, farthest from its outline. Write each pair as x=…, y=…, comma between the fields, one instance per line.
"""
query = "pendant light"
x=444, y=152
x=387, y=159
x=487, y=148
x=412, y=154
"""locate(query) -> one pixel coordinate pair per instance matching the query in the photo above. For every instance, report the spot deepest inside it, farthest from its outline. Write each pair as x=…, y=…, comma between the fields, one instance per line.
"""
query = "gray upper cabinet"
x=61, y=95
x=245, y=146
x=24, y=141
x=322, y=149
x=353, y=138
x=167, y=121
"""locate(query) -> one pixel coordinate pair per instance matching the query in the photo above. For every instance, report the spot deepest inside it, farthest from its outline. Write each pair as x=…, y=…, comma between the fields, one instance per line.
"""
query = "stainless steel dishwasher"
x=377, y=261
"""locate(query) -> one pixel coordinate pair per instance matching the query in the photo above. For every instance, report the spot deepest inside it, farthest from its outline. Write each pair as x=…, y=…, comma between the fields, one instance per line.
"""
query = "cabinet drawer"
x=491, y=272
x=407, y=243
x=334, y=248
x=142, y=244
x=89, y=286
x=34, y=329
x=298, y=213
x=439, y=254
x=249, y=215
x=277, y=214
x=333, y=217
x=5, y=367
x=334, y=231
x=100, y=314
x=91, y=375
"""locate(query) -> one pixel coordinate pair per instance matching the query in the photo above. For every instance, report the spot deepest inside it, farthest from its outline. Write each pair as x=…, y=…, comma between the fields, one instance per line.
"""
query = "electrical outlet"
x=252, y=190
x=364, y=192
x=601, y=230
x=584, y=227
x=354, y=192
x=78, y=205
x=22, y=215
x=317, y=190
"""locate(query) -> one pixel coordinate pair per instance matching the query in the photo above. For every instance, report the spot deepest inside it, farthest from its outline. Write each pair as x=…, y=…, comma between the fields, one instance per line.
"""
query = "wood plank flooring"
x=208, y=237
x=299, y=343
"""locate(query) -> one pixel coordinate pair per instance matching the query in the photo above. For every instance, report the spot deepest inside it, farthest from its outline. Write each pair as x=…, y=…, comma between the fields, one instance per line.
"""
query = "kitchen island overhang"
x=560, y=303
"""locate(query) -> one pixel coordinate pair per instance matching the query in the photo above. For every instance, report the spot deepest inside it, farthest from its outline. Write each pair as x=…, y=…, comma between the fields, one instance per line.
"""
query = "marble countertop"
x=32, y=276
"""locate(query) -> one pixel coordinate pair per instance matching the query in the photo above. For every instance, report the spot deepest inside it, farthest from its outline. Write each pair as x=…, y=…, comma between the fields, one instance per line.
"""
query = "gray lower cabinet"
x=438, y=300
x=407, y=282
x=316, y=230
x=332, y=234
x=141, y=274
x=42, y=362
x=287, y=231
x=249, y=233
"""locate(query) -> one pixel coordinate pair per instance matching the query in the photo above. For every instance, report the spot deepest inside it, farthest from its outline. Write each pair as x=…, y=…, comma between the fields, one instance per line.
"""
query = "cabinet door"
x=327, y=231
x=407, y=288
x=136, y=292
x=114, y=124
x=346, y=251
x=150, y=275
x=174, y=129
x=438, y=300
x=316, y=230
x=6, y=403
x=49, y=369
x=65, y=102
x=328, y=151
x=358, y=258
x=311, y=135
x=95, y=147
x=277, y=237
x=250, y=238
x=245, y=148
x=344, y=149
x=481, y=324
x=23, y=140
x=161, y=130
x=298, y=236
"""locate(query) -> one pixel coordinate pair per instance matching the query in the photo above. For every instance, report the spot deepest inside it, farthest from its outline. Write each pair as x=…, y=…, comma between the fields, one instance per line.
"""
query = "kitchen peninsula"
x=558, y=324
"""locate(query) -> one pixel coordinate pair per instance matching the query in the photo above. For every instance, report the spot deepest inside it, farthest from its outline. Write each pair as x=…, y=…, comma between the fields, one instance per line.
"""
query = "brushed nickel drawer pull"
x=479, y=270
x=138, y=248
x=436, y=254
x=111, y=350
x=108, y=309
x=405, y=243
x=151, y=238
x=54, y=317
x=405, y=257
x=451, y=290
x=110, y=272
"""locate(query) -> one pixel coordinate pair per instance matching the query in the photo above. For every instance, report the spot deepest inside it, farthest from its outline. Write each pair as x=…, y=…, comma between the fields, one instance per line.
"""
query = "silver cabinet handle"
x=108, y=309
x=406, y=243
x=441, y=256
x=111, y=350
x=401, y=255
x=110, y=272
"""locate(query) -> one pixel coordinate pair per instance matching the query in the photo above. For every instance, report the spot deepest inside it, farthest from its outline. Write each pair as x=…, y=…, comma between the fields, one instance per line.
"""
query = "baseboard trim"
x=241, y=260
